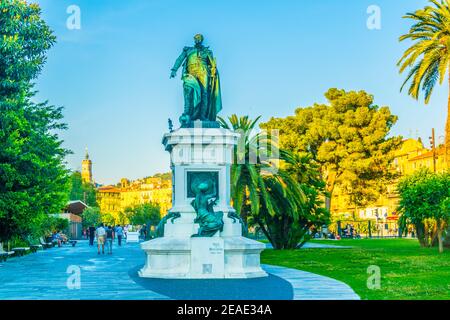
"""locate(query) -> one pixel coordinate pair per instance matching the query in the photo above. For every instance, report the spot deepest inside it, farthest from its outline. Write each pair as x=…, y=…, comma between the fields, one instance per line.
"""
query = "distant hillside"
x=164, y=176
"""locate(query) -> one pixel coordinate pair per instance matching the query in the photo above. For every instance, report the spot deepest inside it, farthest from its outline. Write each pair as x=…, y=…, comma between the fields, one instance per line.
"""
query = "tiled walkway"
x=44, y=275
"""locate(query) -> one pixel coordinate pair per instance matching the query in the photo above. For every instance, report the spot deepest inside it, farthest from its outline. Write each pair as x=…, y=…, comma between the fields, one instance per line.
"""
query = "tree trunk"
x=266, y=233
x=440, y=229
x=328, y=203
x=441, y=243
x=434, y=235
x=329, y=199
x=447, y=150
x=420, y=232
x=330, y=182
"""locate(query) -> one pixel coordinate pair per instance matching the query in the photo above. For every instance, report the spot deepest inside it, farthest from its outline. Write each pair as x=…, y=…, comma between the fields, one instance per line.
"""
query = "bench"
x=35, y=247
x=19, y=252
x=4, y=255
x=45, y=245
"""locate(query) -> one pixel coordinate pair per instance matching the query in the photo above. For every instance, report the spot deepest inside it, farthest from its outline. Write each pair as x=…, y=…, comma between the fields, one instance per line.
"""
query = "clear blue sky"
x=112, y=76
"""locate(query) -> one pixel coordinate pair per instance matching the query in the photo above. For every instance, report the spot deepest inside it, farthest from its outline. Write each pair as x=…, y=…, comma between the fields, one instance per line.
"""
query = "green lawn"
x=407, y=270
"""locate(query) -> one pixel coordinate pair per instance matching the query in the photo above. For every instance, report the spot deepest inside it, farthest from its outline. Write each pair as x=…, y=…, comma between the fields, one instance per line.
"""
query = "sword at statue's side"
x=213, y=86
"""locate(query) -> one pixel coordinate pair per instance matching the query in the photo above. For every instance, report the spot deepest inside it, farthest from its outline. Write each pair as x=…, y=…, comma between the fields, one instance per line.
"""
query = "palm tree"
x=287, y=228
x=272, y=199
x=247, y=185
x=428, y=58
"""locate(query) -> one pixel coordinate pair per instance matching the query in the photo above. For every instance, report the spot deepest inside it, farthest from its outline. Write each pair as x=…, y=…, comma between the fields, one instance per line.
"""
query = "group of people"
x=105, y=236
x=59, y=238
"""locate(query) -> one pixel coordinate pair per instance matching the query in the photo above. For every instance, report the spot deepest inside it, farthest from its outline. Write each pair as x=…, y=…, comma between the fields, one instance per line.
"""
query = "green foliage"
x=33, y=178
x=446, y=207
x=283, y=201
x=122, y=219
x=24, y=40
x=245, y=173
x=348, y=137
x=164, y=176
x=428, y=57
x=296, y=194
x=408, y=272
x=52, y=224
x=424, y=196
x=108, y=219
x=148, y=213
x=17, y=242
x=82, y=191
x=91, y=217
x=61, y=224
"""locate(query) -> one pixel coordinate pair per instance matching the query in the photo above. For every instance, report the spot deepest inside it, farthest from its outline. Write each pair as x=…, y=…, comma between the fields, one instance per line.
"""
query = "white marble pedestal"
x=202, y=258
x=178, y=255
x=207, y=258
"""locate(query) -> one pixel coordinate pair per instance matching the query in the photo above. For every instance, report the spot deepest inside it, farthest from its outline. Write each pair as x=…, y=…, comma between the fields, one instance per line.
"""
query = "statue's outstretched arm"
x=178, y=63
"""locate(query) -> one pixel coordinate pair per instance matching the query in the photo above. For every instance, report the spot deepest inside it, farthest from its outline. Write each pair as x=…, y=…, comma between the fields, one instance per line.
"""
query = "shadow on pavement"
x=269, y=288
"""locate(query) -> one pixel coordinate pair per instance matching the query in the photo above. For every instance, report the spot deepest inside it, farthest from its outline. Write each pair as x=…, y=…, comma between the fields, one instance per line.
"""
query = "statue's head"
x=198, y=38
x=203, y=187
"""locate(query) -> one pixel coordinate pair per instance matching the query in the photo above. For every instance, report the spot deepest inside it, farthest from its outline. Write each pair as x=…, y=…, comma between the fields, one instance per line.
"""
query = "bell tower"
x=86, y=169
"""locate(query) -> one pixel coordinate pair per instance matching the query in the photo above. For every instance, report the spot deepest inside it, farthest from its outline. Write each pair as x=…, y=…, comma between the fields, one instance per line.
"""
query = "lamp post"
x=433, y=148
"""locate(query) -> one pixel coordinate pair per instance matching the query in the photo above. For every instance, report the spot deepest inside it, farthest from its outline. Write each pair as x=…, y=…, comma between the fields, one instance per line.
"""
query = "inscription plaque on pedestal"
x=207, y=258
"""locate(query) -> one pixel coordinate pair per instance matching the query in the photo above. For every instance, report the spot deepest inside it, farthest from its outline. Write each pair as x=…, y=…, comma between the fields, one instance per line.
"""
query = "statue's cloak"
x=215, y=95
x=190, y=81
x=216, y=98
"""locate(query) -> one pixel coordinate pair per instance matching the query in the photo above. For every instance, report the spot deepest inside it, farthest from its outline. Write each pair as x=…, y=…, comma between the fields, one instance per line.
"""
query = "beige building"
x=128, y=194
x=109, y=199
x=411, y=156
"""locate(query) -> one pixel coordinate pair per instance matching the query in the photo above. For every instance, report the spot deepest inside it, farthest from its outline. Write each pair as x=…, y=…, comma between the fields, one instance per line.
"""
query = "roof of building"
x=69, y=216
x=76, y=207
x=429, y=154
x=409, y=146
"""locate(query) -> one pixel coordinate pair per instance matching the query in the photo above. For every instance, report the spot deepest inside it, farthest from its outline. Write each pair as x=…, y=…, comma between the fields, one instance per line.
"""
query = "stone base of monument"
x=205, y=155
x=202, y=258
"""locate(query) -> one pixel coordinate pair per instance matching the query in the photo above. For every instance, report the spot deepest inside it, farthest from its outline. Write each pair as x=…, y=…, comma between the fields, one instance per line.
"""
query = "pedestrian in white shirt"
x=100, y=233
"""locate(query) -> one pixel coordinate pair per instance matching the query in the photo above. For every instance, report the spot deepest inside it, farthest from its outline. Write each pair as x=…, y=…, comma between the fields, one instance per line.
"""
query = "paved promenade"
x=44, y=275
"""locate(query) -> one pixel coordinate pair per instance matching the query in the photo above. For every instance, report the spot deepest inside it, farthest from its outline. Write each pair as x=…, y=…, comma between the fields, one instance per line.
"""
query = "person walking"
x=125, y=231
x=119, y=233
x=100, y=234
x=109, y=239
x=144, y=231
x=91, y=233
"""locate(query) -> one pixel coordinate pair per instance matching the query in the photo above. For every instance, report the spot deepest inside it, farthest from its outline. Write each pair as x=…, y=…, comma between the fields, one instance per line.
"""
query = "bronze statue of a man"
x=201, y=83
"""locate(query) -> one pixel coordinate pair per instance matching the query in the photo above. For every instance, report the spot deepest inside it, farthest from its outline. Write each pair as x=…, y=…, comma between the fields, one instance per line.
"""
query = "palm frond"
x=429, y=55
